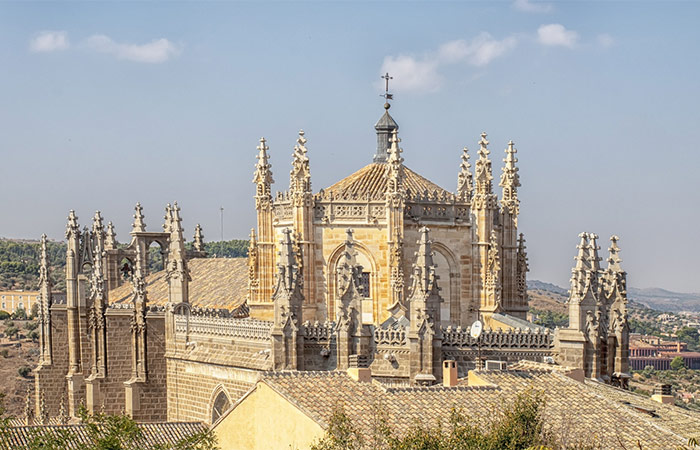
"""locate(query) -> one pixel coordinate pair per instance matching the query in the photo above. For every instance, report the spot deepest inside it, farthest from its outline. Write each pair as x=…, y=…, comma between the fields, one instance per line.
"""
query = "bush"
x=31, y=326
x=677, y=363
x=4, y=315
x=20, y=314
x=5, y=353
x=34, y=336
x=34, y=311
x=11, y=331
x=24, y=371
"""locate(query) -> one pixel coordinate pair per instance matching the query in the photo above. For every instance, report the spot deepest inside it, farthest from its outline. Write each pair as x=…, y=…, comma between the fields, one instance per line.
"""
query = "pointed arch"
x=220, y=403
x=448, y=270
x=363, y=256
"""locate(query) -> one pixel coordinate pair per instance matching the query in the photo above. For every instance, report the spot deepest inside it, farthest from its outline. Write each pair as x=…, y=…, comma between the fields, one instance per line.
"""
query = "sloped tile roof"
x=219, y=283
x=371, y=181
x=153, y=434
x=575, y=411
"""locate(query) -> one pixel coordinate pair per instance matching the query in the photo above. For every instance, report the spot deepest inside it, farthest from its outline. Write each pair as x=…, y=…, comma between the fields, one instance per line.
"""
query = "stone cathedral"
x=383, y=271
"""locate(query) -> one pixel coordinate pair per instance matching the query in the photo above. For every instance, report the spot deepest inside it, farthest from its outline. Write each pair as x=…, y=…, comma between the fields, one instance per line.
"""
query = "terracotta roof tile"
x=219, y=283
x=370, y=181
x=575, y=410
x=153, y=434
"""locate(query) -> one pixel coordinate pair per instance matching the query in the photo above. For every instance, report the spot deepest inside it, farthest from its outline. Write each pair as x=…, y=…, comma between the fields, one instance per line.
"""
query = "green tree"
x=677, y=363
x=20, y=314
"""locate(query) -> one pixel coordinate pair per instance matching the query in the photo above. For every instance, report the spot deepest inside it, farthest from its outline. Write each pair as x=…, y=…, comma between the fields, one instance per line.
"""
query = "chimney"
x=663, y=394
x=449, y=373
x=678, y=346
x=359, y=368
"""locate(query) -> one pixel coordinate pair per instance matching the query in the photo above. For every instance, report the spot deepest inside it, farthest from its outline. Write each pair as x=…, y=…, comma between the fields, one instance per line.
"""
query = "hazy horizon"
x=109, y=104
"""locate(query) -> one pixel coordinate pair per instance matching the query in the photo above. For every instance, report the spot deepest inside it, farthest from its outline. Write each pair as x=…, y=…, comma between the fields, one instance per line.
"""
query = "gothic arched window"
x=221, y=405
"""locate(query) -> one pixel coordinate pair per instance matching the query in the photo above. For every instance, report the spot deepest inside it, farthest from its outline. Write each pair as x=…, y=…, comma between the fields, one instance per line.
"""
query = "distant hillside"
x=19, y=261
x=654, y=298
x=663, y=300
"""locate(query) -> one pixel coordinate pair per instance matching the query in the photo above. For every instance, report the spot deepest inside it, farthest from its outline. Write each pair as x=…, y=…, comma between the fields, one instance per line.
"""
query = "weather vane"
x=387, y=96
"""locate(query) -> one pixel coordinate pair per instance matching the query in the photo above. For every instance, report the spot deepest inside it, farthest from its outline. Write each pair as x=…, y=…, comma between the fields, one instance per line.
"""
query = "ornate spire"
x=348, y=271
x=385, y=127
x=198, y=242
x=593, y=258
x=493, y=272
x=300, y=175
x=138, y=225
x=424, y=278
x=585, y=274
x=42, y=415
x=263, y=175
x=253, y=282
x=45, y=302
x=72, y=229
x=465, y=181
x=111, y=237
x=484, y=177
x=28, y=413
x=522, y=269
x=138, y=321
x=167, y=218
x=98, y=229
x=176, y=253
x=288, y=278
x=510, y=181
x=62, y=416
x=394, y=173
x=614, y=259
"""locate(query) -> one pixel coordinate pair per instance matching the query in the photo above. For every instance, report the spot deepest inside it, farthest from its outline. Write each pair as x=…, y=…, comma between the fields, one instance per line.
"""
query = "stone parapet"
x=226, y=327
x=509, y=339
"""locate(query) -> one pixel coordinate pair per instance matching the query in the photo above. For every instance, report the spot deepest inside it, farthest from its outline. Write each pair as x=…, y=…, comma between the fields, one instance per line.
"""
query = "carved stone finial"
x=111, y=237
x=465, y=181
x=138, y=225
x=394, y=173
x=28, y=412
x=348, y=271
x=510, y=181
x=493, y=271
x=263, y=175
x=62, y=415
x=72, y=229
x=198, y=242
x=522, y=268
x=300, y=175
x=614, y=259
x=483, y=175
x=167, y=218
x=42, y=415
x=424, y=279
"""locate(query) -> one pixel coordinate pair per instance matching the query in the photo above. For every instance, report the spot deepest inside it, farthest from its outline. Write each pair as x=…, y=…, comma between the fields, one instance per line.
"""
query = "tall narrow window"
x=364, y=282
x=221, y=405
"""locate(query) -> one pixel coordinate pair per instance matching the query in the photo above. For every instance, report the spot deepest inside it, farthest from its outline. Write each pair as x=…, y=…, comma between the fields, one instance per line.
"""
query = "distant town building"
x=11, y=301
x=658, y=353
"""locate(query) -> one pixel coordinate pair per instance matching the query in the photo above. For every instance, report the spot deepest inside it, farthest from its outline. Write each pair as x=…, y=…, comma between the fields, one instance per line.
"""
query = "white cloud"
x=156, y=51
x=605, y=40
x=556, y=35
x=479, y=52
x=421, y=74
x=49, y=41
x=412, y=74
x=528, y=6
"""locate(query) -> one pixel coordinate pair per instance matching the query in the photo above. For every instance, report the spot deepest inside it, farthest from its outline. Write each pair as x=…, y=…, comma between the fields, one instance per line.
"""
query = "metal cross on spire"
x=386, y=94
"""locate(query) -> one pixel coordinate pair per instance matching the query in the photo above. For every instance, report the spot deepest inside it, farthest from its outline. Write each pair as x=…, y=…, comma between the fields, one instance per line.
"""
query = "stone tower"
x=597, y=338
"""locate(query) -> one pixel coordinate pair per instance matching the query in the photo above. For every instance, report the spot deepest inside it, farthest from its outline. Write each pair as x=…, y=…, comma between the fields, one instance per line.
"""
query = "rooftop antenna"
x=222, y=223
x=387, y=96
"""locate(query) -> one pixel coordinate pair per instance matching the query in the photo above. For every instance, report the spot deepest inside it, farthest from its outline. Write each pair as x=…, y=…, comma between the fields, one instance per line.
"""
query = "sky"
x=104, y=104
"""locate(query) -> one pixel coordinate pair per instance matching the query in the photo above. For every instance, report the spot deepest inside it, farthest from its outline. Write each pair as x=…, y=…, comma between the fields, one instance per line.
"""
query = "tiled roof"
x=573, y=410
x=370, y=181
x=153, y=434
x=219, y=283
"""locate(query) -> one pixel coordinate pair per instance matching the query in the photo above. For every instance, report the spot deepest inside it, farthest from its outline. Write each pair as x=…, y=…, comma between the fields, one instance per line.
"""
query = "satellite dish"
x=476, y=329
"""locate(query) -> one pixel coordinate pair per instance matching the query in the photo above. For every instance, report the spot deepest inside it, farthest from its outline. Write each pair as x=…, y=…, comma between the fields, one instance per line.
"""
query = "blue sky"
x=105, y=104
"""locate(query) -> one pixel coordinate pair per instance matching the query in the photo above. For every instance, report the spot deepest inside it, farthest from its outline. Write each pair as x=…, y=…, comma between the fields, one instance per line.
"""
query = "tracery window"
x=221, y=405
x=364, y=282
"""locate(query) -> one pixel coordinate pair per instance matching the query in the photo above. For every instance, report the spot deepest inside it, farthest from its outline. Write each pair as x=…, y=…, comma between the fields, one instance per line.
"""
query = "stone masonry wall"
x=154, y=393
x=51, y=379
